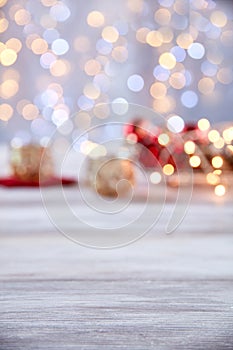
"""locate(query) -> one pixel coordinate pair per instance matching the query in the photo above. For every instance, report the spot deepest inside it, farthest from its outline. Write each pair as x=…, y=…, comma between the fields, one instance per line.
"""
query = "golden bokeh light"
x=220, y=190
x=167, y=60
x=189, y=147
x=225, y=75
x=2, y=47
x=48, y=3
x=218, y=18
x=95, y=19
x=135, y=5
x=22, y=17
x=101, y=110
x=47, y=21
x=91, y=91
x=3, y=2
x=163, y=139
x=168, y=169
x=212, y=179
x=141, y=34
x=158, y=90
x=164, y=105
x=20, y=105
x=6, y=112
x=228, y=135
x=177, y=80
x=60, y=68
x=220, y=143
x=213, y=135
x=8, y=88
x=217, y=162
x=203, y=124
x=167, y=34
x=154, y=38
x=14, y=44
x=3, y=25
x=162, y=16
x=184, y=40
x=120, y=54
x=30, y=111
x=206, y=86
x=8, y=57
x=11, y=74
x=195, y=161
x=83, y=120
x=92, y=67
x=39, y=46
x=110, y=34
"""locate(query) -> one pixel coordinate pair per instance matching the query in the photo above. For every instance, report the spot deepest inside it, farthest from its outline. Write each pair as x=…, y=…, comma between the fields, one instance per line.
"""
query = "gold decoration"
x=31, y=163
x=111, y=177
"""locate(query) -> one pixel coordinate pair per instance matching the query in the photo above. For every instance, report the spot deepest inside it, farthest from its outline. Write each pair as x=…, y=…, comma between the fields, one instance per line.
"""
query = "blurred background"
x=60, y=57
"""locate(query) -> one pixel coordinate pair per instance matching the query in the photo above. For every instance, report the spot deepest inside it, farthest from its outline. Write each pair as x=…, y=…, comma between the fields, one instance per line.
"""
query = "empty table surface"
x=161, y=292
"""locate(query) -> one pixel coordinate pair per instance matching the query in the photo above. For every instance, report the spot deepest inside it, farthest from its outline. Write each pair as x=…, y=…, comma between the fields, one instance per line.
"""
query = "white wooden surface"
x=162, y=292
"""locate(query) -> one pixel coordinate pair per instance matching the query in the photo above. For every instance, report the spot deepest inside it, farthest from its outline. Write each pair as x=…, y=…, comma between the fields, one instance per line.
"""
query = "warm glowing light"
x=83, y=120
x=167, y=60
x=101, y=110
x=155, y=178
x=48, y=3
x=213, y=136
x=218, y=18
x=22, y=17
x=220, y=143
x=162, y=16
x=220, y=190
x=91, y=91
x=154, y=38
x=167, y=34
x=110, y=34
x=225, y=75
x=120, y=53
x=168, y=169
x=6, y=112
x=3, y=2
x=189, y=147
x=95, y=19
x=59, y=68
x=39, y=46
x=212, y=179
x=14, y=44
x=184, y=40
x=203, y=124
x=158, y=90
x=164, y=105
x=206, y=86
x=228, y=135
x=92, y=67
x=141, y=34
x=30, y=112
x=217, y=162
x=195, y=161
x=3, y=25
x=8, y=88
x=8, y=57
x=177, y=80
x=163, y=139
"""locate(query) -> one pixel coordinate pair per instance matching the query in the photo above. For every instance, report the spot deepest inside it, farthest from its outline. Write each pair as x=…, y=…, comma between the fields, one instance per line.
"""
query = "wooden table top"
x=163, y=292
